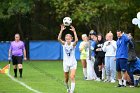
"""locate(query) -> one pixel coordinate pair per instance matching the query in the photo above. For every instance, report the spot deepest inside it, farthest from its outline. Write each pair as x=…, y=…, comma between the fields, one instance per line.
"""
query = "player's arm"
x=75, y=35
x=60, y=34
x=24, y=52
x=9, y=53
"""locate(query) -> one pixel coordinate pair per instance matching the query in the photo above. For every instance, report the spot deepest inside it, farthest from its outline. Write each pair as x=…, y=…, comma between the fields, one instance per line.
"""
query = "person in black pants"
x=99, y=56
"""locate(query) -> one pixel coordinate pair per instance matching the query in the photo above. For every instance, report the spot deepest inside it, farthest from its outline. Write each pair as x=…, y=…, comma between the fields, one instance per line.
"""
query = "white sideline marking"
x=22, y=83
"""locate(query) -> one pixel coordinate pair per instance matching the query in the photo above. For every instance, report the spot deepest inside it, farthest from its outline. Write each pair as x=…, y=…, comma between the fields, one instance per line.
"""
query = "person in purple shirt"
x=16, y=52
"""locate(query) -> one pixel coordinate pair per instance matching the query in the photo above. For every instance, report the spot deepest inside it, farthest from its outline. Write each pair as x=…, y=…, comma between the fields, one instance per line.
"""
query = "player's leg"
x=20, y=67
x=119, y=72
x=124, y=70
x=100, y=67
x=66, y=75
x=103, y=70
x=113, y=69
x=14, y=61
x=72, y=76
x=15, y=70
x=84, y=64
x=107, y=68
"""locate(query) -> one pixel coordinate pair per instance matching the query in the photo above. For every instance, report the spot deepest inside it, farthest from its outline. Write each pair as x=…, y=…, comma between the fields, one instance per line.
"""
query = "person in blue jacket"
x=134, y=68
x=122, y=57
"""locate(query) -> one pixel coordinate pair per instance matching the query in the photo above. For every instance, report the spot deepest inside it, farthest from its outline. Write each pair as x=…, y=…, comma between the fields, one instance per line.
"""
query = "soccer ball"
x=67, y=21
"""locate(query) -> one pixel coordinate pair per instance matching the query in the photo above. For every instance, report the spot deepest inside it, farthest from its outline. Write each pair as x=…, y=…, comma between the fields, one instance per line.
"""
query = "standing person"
x=122, y=57
x=69, y=60
x=100, y=54
x=110, y=52
x=16, y=52
x=91, y=56
x=83, y=55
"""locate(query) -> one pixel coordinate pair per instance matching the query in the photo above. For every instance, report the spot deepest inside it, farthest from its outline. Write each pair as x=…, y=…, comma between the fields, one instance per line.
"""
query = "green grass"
x=47, y=77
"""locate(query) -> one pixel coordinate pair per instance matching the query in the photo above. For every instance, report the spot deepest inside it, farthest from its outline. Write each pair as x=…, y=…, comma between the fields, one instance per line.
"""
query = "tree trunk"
x=19, y=28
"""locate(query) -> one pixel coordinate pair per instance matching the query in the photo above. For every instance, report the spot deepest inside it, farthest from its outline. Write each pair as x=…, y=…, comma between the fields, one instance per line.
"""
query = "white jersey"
x=69, y=54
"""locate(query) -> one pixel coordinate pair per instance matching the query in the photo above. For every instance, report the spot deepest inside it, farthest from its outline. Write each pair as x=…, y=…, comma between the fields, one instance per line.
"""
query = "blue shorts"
x=121, y=64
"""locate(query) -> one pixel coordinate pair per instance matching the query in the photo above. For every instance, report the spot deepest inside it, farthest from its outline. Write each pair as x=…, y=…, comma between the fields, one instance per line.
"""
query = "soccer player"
x=121, y=57
x=83, y=55
x=16, y=52
x=69, y=60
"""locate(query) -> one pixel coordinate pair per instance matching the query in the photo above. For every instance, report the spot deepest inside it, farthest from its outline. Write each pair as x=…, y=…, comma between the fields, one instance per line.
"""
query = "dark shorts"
x=17, y=60
x=100, y=60
x=121, y=64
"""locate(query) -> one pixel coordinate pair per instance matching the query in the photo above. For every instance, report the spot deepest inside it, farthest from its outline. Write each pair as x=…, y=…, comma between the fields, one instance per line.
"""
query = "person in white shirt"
x=110, y=52
x=69, y=60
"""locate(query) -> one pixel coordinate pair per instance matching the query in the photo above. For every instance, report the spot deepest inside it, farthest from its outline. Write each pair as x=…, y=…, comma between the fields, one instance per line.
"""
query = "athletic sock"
x=15, y=71
x=100, y=74
x=20, y=71
x=120, y=81
x=85, y=72
x=72, y=87
x=124, y=82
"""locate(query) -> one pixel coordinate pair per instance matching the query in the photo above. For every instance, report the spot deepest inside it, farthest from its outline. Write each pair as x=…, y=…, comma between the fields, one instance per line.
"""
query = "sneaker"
x=113, y=81
x=119, y=86
x=123, y=86
x=98, y=79
x=106, y=80
x=131, y=86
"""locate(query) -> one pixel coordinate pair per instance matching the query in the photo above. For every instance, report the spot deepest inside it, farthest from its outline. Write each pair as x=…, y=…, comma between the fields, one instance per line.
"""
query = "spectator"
x=110, y=63
x=100, y=56
x=131, y=59
x=83, y=54
x=91, y=56
x=122, y=57
x=135, y=70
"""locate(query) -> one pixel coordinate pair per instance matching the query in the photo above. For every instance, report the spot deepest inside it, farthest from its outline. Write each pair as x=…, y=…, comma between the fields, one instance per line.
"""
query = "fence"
x=39, y=50
x=45, y=50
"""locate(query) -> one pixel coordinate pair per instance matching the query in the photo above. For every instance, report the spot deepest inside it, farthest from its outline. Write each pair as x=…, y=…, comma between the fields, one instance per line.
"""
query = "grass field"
x=47, y=77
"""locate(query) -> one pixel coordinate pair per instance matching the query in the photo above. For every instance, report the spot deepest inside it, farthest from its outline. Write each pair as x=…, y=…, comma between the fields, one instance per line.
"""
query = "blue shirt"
x=135, y=65
x=92, y=45
x=122, y=47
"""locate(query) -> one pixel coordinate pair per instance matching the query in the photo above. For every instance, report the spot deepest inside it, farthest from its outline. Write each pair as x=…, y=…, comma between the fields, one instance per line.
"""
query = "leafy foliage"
x=34, y=18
